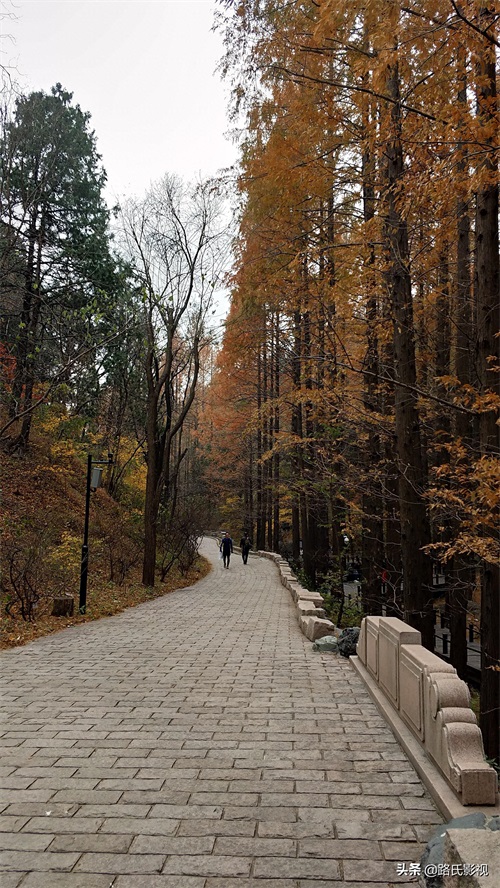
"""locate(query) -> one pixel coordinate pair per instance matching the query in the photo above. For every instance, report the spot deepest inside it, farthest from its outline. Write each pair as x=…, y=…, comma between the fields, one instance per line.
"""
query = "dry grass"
x=103, y=600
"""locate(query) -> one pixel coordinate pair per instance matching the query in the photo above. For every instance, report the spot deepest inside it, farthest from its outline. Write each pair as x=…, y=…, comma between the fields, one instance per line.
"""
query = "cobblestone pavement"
x=197, y=741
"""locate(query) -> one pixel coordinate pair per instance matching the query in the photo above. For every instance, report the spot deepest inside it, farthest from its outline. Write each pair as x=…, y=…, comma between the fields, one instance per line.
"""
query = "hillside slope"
x=41, y=533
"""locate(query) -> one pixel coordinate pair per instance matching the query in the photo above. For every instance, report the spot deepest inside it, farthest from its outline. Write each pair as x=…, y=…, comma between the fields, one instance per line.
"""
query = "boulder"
x=348, y=640
x=327, y=643
x=314, y=628
x=445, y=848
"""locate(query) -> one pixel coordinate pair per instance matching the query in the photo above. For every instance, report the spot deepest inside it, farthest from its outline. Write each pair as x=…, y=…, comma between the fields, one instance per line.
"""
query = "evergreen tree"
x=57, y=273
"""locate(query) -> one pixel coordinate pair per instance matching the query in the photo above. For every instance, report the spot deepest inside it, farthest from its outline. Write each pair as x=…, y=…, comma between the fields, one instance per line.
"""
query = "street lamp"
x=94, y=476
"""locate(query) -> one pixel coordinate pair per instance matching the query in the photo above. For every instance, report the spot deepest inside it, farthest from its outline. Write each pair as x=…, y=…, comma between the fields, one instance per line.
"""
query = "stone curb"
x=310, y=612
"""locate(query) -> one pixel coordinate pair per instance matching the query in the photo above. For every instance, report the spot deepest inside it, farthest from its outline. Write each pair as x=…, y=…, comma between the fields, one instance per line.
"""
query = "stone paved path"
x=197, y=741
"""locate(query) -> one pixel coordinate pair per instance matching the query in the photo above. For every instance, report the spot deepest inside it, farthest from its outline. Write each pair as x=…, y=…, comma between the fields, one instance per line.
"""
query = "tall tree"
x=175, y=243
x=488, y=361
x=54, y=233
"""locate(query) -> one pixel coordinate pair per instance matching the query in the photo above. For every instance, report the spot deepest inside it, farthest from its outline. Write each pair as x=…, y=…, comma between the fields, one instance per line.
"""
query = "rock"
x=436, y=853
x=327, y=643
x=476, y=849
x=348, y=641
x=313, y=628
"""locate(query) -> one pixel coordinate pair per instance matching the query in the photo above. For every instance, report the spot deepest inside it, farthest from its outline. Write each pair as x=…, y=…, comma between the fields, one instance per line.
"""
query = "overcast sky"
x=144, y=69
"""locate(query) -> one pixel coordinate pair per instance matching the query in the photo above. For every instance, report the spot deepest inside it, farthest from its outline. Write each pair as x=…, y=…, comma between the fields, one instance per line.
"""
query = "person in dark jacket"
x=226, y=547
x=245, y=546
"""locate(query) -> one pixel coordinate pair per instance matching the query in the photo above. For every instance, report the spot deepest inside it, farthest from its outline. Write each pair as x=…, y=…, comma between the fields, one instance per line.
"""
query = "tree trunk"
x=63, y=606
x=487, y=287
x=296, y=427
x=151, y=504
x=276, y=480
x=261, y=527
x=372, y=551
x=415, y=531
x=461, y=572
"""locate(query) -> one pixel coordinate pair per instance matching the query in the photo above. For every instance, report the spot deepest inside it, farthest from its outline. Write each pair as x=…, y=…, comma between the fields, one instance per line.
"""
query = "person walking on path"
x=226, y=547
x=245, y=546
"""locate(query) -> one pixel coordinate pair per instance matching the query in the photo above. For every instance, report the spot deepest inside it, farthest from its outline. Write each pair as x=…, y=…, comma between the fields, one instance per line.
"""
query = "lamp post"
x=93, y=482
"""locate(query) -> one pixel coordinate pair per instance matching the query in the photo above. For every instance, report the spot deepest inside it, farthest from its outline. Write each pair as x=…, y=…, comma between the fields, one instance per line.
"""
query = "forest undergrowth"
x=41, y=534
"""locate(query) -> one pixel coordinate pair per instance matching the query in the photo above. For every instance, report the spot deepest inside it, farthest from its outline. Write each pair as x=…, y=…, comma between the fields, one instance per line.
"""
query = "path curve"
x=197, y=741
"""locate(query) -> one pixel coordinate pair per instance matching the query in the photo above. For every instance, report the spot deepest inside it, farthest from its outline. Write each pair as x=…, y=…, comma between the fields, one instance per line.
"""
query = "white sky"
x=144, y=69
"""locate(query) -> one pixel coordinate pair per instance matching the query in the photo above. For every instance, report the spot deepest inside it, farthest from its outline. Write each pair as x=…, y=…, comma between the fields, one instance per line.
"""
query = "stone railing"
x=432, y=701
x=310, y=613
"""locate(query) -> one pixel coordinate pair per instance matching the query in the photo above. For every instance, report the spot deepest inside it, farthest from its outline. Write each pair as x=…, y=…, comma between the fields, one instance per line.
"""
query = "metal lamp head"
x=96, y=478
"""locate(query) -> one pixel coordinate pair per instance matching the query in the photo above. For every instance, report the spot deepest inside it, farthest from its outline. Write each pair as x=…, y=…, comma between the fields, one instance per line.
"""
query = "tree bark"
x=488, y=365
x=415, y=530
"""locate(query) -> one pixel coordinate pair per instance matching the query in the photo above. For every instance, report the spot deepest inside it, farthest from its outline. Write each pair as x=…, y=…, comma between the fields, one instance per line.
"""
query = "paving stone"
x=207, y=865
x=217, y=828
x=12, y=880
x=311, y=776
x=41, y=771
x=390, y=789
x=372, y=802
x=86, y=796
x=120, y=863
x=309, y=883
x=422, y=804
x=25, y=795
x=158, y=844
x=404, y=851
x=225, y=798
x=22, y=841
x=152, y=797
x=195, y=785
x=115, y=844
x=36, y=861
x=105, y=773
x=113, y=811
x=242, y=813
x=252, y=883
x=364, y=830
x=296, y=830
x=373, y=871
x=304, y=800
x=186, y=812
x=256, y=847
x=159, y=766
x=16, y=783
x=12, y=824
x=288, y=868
x=328, y=815
x=341, y=787
x=417, y=817
x=229, y=774
x=263, y=785
x=37, y=809
x=66, y=880
x=359, y=849
x=406, y=776
x=145, y=881
x=148, y=826
x=63, y=825
x=55, y=781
